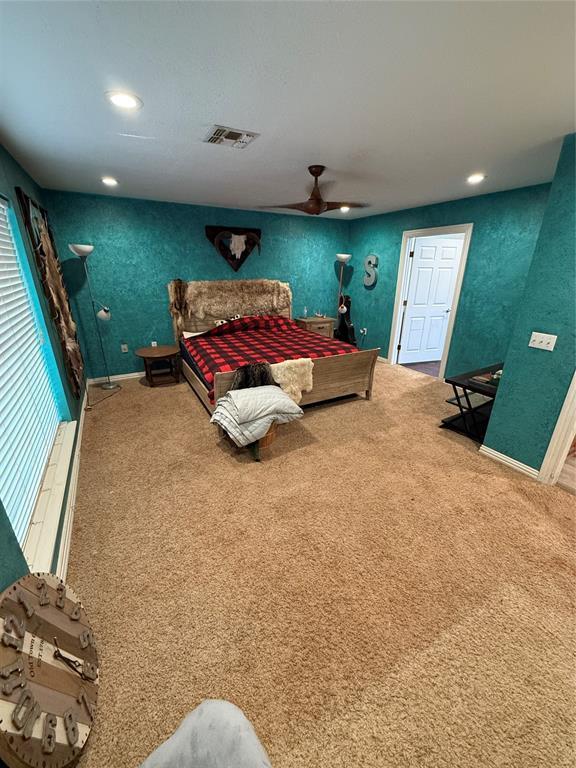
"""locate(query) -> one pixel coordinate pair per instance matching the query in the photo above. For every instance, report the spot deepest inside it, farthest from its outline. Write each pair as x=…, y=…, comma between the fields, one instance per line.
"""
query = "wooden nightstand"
x=322, y=325
x=168, y=354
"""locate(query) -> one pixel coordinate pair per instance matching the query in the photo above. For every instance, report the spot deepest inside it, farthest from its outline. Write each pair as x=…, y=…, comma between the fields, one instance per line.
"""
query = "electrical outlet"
x=153, y=343
x=545, y=341
x=123, y=347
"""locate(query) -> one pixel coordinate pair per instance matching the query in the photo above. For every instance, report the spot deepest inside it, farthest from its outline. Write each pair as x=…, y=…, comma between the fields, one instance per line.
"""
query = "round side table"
x=168, y=353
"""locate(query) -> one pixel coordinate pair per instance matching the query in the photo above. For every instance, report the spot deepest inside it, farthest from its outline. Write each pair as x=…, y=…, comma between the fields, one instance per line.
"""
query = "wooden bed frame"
x=333, y=376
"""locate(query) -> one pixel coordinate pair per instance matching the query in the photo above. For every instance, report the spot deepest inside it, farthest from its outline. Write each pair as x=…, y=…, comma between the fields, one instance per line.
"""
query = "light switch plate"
x=123, y=347
x=545, y=341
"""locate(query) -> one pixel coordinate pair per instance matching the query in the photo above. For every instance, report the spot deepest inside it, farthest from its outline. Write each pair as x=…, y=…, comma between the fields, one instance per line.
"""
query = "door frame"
x=561, y=439
x=454, y=229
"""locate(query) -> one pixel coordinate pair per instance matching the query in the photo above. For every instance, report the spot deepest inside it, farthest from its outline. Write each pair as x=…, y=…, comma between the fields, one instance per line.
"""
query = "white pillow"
x=189, y=335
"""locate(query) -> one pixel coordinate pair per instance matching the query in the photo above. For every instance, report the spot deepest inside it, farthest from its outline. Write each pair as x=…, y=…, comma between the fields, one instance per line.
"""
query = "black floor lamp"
x=100, y=311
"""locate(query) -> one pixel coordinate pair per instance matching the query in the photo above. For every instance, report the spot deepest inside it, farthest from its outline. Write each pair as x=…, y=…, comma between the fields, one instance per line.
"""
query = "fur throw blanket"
x=225, y=298
x=178, y=310
x=253, y=375
x=294, y=376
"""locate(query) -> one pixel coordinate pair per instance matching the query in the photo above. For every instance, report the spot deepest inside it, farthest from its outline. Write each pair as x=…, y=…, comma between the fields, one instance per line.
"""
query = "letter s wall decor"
x=370, y=271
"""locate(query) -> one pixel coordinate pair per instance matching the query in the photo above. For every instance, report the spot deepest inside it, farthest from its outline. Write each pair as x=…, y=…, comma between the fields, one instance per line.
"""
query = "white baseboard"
x=382, y=359
x=119, y=377
x=66, y=536
x=509, y=462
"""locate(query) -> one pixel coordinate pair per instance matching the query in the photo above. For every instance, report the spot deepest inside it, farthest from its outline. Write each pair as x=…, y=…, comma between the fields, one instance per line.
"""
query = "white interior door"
x=433, y=270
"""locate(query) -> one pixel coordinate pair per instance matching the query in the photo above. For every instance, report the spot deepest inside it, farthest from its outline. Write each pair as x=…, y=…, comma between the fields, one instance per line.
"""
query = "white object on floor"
x=294, y=376
x=246, y=415
x=215, y=735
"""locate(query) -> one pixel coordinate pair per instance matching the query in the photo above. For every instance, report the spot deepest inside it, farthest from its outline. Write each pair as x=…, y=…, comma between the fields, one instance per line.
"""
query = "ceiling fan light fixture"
x=316, y=205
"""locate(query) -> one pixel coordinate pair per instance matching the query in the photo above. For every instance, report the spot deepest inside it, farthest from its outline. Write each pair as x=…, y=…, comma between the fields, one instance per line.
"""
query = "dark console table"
x=474, y=395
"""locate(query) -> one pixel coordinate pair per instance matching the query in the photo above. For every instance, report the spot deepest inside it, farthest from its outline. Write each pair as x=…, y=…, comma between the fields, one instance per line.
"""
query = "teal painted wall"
x=12, y=563
x=506, y=226
x=535, y=383
x=140, y=246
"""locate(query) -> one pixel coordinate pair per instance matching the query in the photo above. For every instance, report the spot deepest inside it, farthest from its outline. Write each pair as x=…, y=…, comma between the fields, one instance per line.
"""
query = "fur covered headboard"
x=196, y=305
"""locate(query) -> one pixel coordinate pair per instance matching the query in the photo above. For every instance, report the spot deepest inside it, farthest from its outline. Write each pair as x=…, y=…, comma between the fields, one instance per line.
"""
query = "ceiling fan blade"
x=332, y=206
x=293, y=206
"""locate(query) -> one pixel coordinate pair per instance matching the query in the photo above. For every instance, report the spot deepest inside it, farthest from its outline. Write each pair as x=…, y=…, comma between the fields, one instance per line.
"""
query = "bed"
x=265, y=332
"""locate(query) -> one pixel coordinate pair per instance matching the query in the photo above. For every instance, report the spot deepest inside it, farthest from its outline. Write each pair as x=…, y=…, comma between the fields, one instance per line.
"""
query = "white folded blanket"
x=294, y=376
x=247, y=414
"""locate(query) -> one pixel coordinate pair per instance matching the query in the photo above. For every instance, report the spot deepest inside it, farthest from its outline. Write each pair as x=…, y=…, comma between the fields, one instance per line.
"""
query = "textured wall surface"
x=140, y=246
x=506, y=226
x=535, y=383
x=12, y=563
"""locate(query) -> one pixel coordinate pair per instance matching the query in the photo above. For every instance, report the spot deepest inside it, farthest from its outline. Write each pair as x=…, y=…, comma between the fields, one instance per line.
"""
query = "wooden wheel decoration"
x=48, y=674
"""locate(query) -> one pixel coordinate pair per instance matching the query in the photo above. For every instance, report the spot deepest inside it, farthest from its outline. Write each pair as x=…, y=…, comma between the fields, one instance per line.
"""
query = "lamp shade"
x=343, y=258
x=104, y=314
x=82, y=251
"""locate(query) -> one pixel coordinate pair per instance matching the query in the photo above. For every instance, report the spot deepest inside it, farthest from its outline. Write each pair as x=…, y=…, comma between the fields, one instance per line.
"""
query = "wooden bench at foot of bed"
x=334, y=376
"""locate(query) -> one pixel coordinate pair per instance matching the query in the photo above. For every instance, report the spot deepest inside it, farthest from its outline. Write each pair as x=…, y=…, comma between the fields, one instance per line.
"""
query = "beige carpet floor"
x=374, y=593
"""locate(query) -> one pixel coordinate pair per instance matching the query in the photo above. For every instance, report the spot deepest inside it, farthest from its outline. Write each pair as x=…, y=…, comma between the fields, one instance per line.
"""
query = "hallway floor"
x=431, y=368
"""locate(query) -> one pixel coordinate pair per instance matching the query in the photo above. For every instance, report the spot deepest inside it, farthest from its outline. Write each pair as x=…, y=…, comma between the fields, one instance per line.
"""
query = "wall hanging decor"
x=234, y=244
x=370, y=270
x=42, y=242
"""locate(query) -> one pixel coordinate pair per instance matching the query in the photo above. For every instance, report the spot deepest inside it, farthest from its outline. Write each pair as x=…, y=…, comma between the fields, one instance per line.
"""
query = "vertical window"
x=29, y=413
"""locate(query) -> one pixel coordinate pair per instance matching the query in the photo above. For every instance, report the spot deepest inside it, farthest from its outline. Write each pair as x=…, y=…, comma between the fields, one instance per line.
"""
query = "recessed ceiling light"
x=124, y=100
x=476, y=178
x=344, y=208
x=109, y=181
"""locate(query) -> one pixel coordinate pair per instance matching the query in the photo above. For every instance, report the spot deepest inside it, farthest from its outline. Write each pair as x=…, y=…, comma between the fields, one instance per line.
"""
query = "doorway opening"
x=430, y=273
x=559, y=465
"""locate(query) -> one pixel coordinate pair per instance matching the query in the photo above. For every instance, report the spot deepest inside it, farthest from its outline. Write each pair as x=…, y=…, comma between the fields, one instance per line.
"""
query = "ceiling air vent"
x=230, y=137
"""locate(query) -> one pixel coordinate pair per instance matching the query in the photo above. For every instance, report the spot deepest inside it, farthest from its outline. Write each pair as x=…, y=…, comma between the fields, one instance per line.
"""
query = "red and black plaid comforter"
x=266, y=338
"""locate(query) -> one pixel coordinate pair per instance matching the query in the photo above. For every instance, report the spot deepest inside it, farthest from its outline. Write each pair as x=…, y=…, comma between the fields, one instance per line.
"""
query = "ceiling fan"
x=315, y=205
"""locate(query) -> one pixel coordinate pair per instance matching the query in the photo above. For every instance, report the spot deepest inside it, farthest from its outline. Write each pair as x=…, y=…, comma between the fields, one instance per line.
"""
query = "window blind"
x=29, y=414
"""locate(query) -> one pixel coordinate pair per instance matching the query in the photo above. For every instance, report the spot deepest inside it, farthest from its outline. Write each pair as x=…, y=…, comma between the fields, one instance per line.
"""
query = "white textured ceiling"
x=401, y=101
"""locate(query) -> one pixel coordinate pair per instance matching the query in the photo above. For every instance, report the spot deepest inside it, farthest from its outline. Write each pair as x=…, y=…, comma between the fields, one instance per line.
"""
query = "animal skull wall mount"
x=234, y=244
